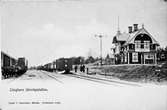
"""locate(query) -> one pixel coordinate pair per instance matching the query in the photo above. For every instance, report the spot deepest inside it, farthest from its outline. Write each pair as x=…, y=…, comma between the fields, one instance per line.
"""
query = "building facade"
x=135, y=47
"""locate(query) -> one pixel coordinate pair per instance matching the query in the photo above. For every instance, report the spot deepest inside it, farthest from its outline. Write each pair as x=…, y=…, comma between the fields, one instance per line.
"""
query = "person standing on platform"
x=76, y=67
x=83, y=68
x=80, y=68
x=87, y=70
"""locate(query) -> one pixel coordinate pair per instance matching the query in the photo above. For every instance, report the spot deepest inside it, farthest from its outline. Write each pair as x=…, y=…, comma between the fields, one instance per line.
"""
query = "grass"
x=135, y=72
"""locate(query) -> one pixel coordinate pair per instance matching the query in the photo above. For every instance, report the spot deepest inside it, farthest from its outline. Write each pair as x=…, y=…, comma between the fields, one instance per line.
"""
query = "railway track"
x=102, y=80
x=91, y=79
x=52, y=76
x=79, y=76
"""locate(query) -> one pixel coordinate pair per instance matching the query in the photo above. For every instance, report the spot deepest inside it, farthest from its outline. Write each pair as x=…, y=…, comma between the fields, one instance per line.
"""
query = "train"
x=12, y=67
x=64, y=64
x=61, y=64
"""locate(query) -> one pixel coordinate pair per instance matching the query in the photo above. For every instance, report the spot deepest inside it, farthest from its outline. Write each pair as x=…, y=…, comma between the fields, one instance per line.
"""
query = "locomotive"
x=64, y=64
x=11, y=67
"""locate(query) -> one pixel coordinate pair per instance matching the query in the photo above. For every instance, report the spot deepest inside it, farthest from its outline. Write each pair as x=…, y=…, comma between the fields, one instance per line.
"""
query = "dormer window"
x=137, y=44
x=142, y=46
x=146, y=44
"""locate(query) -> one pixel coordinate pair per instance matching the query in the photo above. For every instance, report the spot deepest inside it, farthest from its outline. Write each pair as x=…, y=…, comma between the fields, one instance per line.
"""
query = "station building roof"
x=129, y=38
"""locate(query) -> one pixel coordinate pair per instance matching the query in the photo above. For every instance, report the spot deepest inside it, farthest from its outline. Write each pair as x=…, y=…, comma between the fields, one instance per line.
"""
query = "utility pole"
x=100, y=36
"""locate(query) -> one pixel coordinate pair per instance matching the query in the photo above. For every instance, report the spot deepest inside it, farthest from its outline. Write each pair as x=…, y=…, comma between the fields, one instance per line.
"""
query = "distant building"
x=135, y=47
x=109, y=60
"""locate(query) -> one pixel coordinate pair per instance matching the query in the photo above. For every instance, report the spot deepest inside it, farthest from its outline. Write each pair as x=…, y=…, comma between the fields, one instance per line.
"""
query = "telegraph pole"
x=100, y=36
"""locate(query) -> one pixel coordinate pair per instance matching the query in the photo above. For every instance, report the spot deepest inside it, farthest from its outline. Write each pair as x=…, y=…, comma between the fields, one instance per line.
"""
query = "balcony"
x=153, y=50
x=142, y=49
x=145, y=47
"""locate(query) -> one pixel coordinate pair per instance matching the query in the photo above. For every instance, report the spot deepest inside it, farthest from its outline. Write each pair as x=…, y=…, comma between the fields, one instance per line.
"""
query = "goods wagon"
x=48, y=67
x=61, y=64
x=5, y=60
x=22, y=65
x=11, y=67
x=7, y=65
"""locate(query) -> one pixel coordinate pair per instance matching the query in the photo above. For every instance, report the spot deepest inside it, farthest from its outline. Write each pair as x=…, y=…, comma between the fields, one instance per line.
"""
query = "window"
x=135, y=57
x=137, y=44
x=149, y=56
x=122, y=58
x=146, y=44
x=125, y=57
x=142, y=46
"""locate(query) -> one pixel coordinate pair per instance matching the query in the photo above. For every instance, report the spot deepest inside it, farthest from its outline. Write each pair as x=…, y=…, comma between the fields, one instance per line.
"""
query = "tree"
x=90, y=59
x=162, y=54
x=77, y=60
x=107, y=57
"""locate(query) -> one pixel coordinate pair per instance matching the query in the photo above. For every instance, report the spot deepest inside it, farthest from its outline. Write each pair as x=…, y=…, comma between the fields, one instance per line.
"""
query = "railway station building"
x=137, y=46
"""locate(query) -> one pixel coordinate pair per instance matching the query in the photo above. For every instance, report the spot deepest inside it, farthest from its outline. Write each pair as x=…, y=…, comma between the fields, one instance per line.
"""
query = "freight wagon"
x=62, y=64
x=11, y=67
x=7, y=65
x=22, y=65
x=48, y=67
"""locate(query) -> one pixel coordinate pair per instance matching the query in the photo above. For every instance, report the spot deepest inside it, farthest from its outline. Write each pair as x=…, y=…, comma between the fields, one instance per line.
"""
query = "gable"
x=140, y=31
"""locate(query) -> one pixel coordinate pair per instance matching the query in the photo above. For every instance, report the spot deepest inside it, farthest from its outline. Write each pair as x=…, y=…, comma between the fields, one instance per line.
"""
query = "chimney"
x=135, y=27
x=130, y=29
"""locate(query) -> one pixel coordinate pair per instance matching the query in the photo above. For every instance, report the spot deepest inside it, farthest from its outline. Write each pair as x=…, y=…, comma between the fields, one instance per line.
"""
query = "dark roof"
x=3, y=53
x=140, y=31
x=129, y=37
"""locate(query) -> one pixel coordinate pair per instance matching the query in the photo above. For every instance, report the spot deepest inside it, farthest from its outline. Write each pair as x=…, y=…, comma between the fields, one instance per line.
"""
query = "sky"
x=42, y=30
